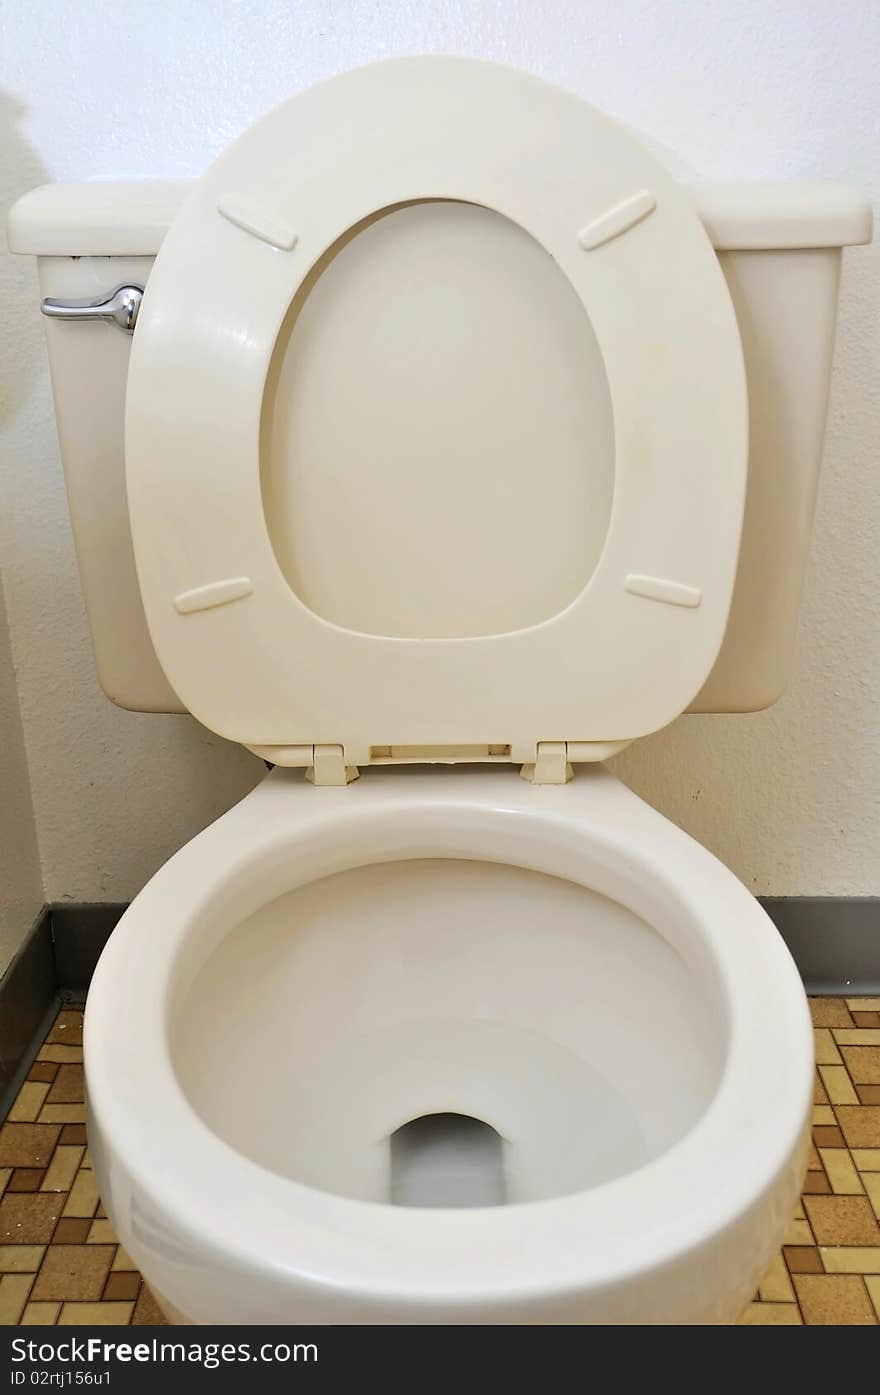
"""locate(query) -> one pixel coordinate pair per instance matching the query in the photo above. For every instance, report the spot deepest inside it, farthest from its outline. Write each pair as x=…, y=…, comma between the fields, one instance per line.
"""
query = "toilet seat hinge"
x=552, y=765
x=326, y=764
x=554, y=759
x=328, y=767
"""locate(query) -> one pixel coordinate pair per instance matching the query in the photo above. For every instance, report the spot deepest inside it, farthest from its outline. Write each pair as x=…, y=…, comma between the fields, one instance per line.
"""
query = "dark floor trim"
x=28, y=993
x=54, y=964
x=834, y=940
x=80, y=930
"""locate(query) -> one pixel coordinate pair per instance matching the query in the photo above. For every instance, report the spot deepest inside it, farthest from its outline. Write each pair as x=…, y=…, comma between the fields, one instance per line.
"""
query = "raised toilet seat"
x=276, y=633
x=664, y=977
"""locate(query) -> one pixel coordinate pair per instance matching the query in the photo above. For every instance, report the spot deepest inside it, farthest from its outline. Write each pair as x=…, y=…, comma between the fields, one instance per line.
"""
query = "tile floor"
x=828, y=1271
x=60, y=1261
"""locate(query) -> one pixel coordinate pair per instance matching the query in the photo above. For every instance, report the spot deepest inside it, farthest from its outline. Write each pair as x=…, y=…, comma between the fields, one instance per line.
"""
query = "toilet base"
x=320, y=968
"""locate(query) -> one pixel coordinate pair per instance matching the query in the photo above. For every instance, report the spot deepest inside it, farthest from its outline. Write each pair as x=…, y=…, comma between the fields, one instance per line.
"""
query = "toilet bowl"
x=439, y=415
x=320, y=968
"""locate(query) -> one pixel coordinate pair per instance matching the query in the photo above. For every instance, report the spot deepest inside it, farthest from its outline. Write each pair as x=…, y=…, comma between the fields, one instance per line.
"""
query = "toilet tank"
x=779, y=247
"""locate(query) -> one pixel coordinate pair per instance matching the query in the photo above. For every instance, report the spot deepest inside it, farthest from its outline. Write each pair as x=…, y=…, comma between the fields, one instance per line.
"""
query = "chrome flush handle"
x=120, y=309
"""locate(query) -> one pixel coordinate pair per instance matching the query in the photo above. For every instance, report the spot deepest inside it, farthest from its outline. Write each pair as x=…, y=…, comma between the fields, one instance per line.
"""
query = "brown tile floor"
x=60, y=1261
x=828, y=1271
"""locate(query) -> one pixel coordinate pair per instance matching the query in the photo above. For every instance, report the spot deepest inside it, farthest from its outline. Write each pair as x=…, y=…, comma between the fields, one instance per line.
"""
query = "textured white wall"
x=735, y=88
x=21, y=885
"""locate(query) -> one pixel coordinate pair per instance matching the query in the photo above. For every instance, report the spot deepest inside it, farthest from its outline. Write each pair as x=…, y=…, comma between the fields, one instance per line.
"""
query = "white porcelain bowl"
x=321, y=966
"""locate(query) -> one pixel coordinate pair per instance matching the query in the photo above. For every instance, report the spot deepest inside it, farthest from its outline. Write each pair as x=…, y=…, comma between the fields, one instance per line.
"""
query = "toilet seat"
x=241, y=649
x=222, y=1239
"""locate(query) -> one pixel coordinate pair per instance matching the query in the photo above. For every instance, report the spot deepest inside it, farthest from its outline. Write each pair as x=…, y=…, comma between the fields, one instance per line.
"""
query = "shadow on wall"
x=21, y=882
x=21, y=886
x=783, y=796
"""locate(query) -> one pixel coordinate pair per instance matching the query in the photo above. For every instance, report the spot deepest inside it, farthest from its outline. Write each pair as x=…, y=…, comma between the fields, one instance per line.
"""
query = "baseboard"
x=80, y=930
x=834, y=940
x=28, y=994
x=54, y=964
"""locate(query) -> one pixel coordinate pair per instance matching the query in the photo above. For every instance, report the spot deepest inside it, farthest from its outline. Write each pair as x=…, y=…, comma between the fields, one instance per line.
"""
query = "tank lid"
x=100, y=218
x=750, y=216
x=129, y=218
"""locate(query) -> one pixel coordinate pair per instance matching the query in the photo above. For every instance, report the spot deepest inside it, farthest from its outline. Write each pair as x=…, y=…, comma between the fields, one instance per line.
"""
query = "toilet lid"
x=436, y=426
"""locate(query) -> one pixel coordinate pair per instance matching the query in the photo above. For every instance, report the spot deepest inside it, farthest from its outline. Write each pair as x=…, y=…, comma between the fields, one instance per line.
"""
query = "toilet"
x=463, y=446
